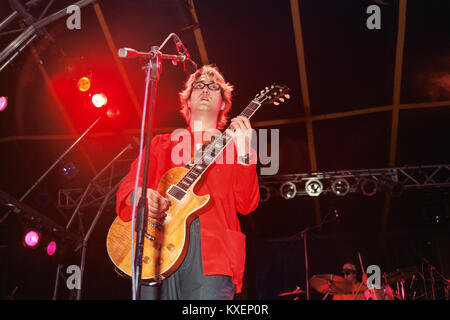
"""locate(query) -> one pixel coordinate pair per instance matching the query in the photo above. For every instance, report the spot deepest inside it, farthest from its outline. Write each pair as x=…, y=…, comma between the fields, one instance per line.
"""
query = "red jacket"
x=232, y=187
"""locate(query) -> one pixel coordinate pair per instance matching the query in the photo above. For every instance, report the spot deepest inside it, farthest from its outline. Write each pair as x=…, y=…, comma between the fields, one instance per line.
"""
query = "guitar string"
x=223, y=137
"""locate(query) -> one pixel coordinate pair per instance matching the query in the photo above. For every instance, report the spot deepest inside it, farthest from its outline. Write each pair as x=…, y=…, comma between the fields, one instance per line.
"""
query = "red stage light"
x=51, y=248
x=84, y=84
x=3, y=103
x=113, y=112
x=31, y=239
x=99, y=100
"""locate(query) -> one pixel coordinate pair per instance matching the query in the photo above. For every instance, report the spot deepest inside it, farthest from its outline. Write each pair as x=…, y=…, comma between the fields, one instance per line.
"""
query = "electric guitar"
x=166, y=242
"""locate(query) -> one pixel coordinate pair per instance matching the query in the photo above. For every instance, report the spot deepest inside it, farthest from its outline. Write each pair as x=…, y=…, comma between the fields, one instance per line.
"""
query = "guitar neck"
x=212, y=151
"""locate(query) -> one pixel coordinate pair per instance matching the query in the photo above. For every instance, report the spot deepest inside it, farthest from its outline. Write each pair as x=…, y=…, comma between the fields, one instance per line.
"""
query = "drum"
x=384, y=293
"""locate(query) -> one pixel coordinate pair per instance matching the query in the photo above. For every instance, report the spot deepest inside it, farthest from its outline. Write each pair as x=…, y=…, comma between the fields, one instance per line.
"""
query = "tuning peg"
x=287, y=96
x=281, y=99
x=276, y=103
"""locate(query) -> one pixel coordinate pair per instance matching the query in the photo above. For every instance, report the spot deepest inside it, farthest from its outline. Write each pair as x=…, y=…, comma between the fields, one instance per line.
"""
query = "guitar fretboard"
x=212, y=151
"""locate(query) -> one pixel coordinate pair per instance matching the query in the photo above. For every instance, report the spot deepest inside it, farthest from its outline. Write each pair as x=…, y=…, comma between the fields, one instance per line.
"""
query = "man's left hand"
x=242, y=135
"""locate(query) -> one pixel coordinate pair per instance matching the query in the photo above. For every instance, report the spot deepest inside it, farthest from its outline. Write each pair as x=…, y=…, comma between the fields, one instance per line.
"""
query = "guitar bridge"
x=156, y=226
x=149, y=236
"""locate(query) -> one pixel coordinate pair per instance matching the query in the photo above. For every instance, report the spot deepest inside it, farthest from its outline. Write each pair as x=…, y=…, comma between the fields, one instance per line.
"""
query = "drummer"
x=350, y=274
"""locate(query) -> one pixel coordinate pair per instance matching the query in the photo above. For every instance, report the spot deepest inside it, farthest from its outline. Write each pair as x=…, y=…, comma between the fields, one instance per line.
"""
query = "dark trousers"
x=188, y=282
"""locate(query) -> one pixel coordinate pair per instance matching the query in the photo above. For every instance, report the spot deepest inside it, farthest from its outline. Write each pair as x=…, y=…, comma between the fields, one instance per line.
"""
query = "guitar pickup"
x=176, y=192
x=157, y=226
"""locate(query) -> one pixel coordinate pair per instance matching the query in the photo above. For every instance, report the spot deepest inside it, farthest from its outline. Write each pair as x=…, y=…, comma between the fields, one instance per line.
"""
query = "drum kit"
x=331, y=284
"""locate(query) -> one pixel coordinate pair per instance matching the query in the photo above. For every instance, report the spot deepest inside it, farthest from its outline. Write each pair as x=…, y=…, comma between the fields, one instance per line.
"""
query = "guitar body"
x=166, y=242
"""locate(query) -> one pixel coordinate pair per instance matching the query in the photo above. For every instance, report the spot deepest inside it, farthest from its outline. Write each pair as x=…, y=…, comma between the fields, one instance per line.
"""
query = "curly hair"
x=226, y=88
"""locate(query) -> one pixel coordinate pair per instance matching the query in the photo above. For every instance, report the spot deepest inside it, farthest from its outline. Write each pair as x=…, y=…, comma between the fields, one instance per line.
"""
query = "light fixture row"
x=314, y=187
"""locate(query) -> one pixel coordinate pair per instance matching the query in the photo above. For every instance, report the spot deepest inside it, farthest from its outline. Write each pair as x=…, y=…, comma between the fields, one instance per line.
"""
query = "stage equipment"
x=153, y=68
x=3, y=103
x=331, y=284
x=103, y=195
x=313, y=187
x=34, y=28
x=288, y=190
x=69, y=170
x=264, y=193
x=400, y=274
x=84, y=84
x=340, y=187
x=434, y=276
x=395, y=188
x=32, y=217
x=395, y=180
x=51, y=248
x=295, y=292
x=331, y=216
x=31, y=238
x=368, y=187
x=99, y=100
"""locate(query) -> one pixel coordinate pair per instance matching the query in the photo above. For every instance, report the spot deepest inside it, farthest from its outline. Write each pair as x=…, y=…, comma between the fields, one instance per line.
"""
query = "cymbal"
x=400, y=274
x=295, y=292
x=336, y=284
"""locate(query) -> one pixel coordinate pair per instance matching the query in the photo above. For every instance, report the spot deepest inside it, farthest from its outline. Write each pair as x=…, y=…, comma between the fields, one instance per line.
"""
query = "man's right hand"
x=157, y=204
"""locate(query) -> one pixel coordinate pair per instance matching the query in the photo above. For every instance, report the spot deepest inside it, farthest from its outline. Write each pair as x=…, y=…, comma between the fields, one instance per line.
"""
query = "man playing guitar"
x=213, y=267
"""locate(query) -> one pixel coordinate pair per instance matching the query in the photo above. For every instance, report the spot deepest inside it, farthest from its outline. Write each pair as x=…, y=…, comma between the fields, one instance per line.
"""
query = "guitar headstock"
x=276, y=94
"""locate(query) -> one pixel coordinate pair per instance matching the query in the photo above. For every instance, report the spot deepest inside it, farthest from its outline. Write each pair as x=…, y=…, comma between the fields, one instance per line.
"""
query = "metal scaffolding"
x=384, y=179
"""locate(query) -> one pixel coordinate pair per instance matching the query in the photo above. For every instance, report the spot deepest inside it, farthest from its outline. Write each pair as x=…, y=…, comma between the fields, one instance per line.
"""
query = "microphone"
x=131, y=53
x=182, y=51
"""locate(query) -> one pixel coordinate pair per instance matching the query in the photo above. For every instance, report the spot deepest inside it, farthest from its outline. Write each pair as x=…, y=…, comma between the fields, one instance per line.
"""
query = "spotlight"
x=51, y=248
x=84, y=84
x=395, y=188
x=113, y=112
x=69, y=170
x=43, y=199
x=31, y=239
x=368, y=187
x=99, y=100
x=3, y=103
x=264, y=192
x=288, y=190
x=340, y=187
x=313, y=187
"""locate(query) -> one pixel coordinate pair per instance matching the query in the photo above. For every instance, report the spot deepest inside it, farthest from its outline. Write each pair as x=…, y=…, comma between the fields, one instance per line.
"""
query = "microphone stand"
x=153, y=73
x=432, y=270
x=303, y=234
x=153, y=70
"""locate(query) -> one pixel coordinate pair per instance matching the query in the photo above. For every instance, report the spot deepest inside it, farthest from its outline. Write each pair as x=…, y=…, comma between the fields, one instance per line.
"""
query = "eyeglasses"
x=214, y=86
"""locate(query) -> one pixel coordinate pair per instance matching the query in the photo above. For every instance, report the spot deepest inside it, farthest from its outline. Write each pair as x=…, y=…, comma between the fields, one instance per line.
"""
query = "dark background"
x=349, y=67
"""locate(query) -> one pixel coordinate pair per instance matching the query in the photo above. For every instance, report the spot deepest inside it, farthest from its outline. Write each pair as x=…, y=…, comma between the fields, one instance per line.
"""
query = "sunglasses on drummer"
x=348, y=271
